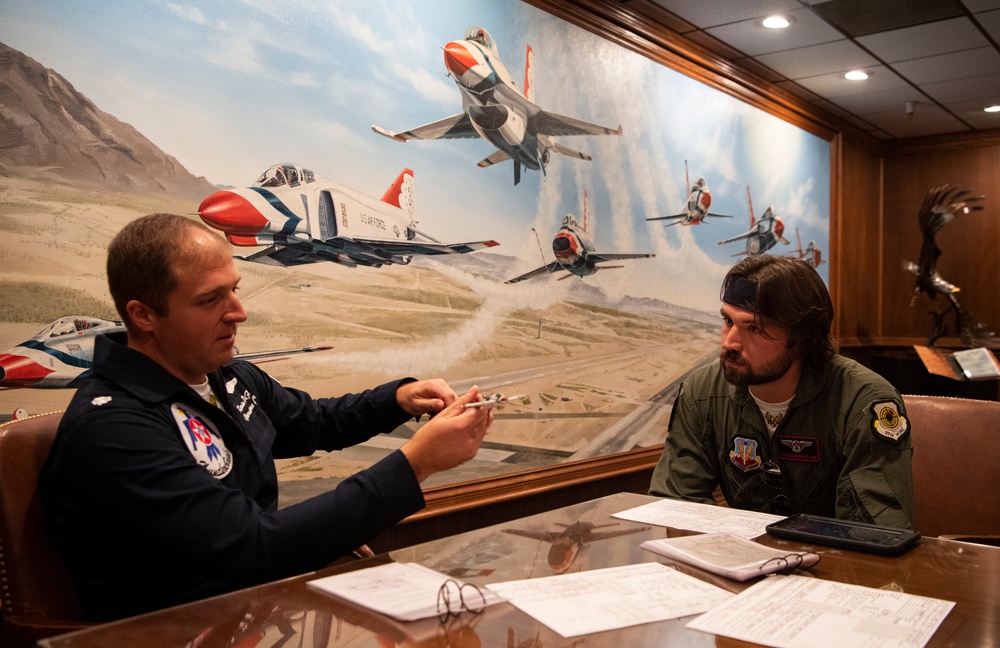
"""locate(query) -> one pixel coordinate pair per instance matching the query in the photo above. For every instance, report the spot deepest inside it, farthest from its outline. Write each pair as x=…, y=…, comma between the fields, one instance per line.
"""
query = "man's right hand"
x=449, y=439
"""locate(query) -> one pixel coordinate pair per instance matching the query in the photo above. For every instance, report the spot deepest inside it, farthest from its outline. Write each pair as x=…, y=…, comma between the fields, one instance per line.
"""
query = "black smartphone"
x=857, y=536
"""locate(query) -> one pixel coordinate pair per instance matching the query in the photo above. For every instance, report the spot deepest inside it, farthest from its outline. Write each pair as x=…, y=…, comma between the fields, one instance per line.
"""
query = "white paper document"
x=605, y=599
x=706, y=518
x=403, y=591
x=801, y=612
x=729, y=555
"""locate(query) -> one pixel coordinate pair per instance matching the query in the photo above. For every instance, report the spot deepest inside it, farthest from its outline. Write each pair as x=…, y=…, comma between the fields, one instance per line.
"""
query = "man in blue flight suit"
x=161, y=486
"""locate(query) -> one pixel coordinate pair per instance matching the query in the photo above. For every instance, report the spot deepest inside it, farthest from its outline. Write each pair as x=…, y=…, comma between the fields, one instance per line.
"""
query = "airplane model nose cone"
x=779, y=227
x=231, y=213
x=18, y=371
x=458, y=59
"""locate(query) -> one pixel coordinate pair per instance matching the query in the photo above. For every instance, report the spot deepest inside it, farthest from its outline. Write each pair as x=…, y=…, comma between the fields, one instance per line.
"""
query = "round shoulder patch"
x=203, y=440
x=887, y=422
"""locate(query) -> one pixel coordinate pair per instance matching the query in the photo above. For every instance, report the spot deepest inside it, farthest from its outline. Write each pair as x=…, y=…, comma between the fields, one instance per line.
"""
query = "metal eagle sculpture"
x=939, y=208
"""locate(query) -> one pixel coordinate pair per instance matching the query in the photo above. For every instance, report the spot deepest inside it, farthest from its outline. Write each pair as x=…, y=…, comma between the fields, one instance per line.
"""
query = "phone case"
x=846, y=534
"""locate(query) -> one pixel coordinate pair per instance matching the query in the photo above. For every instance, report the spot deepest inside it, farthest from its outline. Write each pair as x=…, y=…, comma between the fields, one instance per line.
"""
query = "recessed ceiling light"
x=857, y=75
x=995, y=108
x=776, y=22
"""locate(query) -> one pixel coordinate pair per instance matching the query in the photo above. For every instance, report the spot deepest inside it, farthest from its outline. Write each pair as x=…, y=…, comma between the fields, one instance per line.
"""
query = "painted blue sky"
x=233, y=86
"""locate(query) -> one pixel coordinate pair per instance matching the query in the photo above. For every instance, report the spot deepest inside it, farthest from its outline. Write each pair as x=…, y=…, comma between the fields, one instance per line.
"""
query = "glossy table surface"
x=287, y=613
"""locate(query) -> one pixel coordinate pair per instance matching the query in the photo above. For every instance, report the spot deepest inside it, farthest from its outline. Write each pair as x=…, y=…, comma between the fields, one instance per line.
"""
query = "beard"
x=746, y=375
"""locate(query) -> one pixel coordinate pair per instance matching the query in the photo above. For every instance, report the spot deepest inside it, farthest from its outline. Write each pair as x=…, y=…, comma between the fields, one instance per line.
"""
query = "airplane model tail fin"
x=400, y=194
x=750, y=207
x=529, y=76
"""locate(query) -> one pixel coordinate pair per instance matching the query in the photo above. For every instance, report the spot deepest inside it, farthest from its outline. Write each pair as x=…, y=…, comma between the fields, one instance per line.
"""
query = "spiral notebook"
x=729, y=555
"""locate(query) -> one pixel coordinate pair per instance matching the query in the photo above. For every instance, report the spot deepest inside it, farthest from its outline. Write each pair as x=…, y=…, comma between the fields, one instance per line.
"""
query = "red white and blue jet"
x=301, y=218
x=494, y=109
x=764, y=234
x=573, y=247
x=698, y=201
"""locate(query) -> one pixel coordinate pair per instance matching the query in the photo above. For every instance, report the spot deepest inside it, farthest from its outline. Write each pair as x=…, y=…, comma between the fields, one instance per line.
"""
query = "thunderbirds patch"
x=887, y=422
x=203, y=440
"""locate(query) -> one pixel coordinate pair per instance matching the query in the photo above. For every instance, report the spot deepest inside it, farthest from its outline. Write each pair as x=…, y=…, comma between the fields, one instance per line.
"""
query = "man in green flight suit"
x=781, y=423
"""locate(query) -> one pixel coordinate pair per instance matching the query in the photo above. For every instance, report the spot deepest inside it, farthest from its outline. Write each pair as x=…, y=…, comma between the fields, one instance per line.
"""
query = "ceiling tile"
x=924, y=40
x=981, y=5
x=956, y=65
x=710, y=14
x=753, y=39
x=877, y=101
x=833, y=86
x=927, y=119
x=972, y=109
x=978, y=87
x=860, y=17
x=838, y=56
x=990, y=22
x=755, y=66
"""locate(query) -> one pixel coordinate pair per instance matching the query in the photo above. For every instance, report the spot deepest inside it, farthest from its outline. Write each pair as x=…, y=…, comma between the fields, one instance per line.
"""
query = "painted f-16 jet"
x=303, y=219
x=764, y=234
x=495, y=110
x=570, y=540
x=62, y=354
x=698, y=201
x=573, y=247
x=811, y=254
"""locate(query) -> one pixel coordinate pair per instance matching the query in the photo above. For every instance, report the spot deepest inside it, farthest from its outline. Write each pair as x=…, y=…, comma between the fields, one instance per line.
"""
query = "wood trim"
x=936, y=143
x=478, y=503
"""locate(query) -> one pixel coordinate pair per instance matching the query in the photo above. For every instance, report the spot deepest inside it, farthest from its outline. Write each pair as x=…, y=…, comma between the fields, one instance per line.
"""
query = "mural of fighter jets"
x=811, y=255
x=62, y=354
x=573, y=247
x=698, y=201
x=571, y=539
x=495, y=110
x=764, y=234
x=302, y=218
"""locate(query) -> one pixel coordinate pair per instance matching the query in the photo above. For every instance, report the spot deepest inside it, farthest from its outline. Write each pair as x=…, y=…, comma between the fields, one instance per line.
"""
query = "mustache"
x=732, y=355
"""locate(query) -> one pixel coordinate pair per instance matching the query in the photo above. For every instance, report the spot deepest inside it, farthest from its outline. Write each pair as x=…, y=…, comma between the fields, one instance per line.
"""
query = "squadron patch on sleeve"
x=203, y=440
x=887, y=422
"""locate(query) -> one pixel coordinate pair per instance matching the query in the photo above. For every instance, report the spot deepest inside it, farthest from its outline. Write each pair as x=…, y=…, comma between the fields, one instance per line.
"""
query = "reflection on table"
x=567, y=540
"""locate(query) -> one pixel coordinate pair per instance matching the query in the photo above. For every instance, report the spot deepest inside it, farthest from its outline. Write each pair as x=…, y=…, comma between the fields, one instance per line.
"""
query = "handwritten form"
x=706, y=518
x=605, y=599
x=800, y=612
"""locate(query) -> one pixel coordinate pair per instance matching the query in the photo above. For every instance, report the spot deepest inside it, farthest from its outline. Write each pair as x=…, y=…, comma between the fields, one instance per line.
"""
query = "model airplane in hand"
x=303, y=219
x=62, y=354
x=573, y=247
x=495, y=401
x=495, y=110
x=764, y=234
x=698, y=201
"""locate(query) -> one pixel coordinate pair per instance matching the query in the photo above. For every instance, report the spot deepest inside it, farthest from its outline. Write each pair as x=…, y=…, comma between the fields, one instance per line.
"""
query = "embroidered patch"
x=100, y=400
x=744, y=454
x=796, y=448
x=887, y=422
x=203, y=440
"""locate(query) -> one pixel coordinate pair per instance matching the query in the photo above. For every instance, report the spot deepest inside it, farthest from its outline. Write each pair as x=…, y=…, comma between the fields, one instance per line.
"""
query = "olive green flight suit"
x=843, y=447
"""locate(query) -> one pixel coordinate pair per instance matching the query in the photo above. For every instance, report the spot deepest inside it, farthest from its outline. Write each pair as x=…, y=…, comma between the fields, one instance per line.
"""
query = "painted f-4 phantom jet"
x=495, y=110
x=303, y=219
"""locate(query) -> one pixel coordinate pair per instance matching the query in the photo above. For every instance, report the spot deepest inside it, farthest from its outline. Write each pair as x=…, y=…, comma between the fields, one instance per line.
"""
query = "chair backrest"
x=39, y=596
x=956, y=454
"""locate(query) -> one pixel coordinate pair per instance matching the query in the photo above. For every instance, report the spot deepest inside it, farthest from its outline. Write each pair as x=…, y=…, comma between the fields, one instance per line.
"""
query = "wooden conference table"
x=287, y=613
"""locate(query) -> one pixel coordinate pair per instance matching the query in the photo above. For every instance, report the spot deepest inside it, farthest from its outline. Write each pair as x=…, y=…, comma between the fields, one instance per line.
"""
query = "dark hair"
x=790, y=293
x=140, y=261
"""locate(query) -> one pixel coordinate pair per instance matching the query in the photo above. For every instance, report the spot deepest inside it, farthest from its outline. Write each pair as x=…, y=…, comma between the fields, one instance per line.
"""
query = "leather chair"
x=956, y=455
x=38, y=594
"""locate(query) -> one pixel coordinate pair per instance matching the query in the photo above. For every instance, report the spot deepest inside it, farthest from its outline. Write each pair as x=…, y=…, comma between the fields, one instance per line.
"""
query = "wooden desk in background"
x=287, y=613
